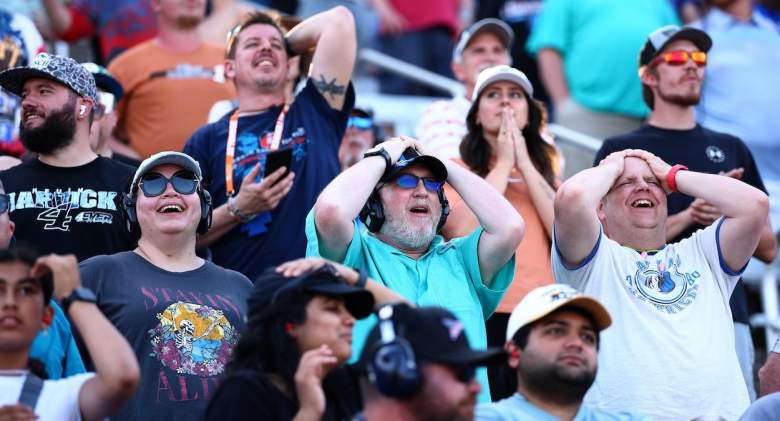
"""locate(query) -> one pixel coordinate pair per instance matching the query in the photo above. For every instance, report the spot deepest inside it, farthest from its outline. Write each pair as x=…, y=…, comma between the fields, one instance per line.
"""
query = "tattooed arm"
x=332, y=35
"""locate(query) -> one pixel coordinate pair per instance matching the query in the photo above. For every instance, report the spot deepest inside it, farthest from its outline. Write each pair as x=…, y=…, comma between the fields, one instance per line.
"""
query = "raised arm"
x=503, y=226
x=116, y=368
x=58, y=14
x=576, y=222
x=744, y=207
x=341, y=201
x=332, y=35
x=553, y=76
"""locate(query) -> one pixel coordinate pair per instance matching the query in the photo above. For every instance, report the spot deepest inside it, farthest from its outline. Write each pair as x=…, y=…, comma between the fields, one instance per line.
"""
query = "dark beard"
x=54, y=134
x=555, y=385
x=188, y=22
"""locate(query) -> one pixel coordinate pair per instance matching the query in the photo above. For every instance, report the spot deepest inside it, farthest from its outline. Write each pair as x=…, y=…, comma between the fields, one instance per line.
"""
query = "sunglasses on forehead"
x=680, y=57
x=5, y=203
x=154, y=184
x=411, y=181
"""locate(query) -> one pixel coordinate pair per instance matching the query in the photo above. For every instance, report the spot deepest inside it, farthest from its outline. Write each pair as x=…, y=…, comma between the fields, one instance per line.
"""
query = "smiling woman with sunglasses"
x=182, y=314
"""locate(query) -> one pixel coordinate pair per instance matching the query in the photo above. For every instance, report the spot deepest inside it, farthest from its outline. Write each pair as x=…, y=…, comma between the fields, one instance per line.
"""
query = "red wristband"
x=670, y=177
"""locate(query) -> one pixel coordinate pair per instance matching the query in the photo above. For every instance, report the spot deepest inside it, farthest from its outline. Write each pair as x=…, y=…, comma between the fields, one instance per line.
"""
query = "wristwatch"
x=79, y=294
x=380, y=151
x=236, y=213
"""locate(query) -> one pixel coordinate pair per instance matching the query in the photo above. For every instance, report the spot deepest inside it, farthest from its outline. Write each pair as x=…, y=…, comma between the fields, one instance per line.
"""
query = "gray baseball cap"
x=167, y=157
x=60, y=69
x=661, y=37
x=493, y=25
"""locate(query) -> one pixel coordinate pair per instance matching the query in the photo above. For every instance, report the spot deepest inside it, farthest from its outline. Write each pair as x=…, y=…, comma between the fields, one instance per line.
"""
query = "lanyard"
x=230, y=151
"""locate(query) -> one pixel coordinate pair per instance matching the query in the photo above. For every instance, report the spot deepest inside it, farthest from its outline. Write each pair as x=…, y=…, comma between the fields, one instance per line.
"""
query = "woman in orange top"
x=505, y=146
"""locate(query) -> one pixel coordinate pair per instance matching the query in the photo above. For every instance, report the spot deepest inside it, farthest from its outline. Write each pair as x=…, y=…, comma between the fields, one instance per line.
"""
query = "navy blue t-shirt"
x=700, y=150
x=313, y=130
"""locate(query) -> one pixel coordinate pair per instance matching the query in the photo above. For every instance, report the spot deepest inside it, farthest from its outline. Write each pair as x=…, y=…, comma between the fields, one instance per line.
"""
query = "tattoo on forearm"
x=329, y=88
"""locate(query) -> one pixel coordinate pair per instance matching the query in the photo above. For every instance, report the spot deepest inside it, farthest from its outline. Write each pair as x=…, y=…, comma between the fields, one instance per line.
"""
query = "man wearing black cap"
x=67, y=200
x=26, y=290
x=672, y=65
x=398, y=194
x=182, y=314
x=419, y=366
x=442, y=124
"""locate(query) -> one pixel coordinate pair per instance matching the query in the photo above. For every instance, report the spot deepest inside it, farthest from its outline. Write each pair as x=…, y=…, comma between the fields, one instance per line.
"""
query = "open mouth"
x=32, y=116
x=642, y=203
x=420, y=210
x=170, y=209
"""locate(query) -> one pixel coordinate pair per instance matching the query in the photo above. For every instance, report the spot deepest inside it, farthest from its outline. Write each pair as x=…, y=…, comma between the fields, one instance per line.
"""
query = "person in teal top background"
x=56, y=348
x=397, y=243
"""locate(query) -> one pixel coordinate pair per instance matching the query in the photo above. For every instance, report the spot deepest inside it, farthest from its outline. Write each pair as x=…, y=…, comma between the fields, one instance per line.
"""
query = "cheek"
x=521, y=113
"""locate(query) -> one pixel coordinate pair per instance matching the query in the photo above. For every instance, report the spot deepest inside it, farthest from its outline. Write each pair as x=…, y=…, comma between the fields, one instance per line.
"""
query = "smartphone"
x=277, y=159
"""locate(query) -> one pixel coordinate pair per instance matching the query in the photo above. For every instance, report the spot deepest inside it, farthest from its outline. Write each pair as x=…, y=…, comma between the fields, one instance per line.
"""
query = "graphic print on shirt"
x=715, y=154
x=250, y=151
x=660, y=282
x=193, y=339
x=61, y=208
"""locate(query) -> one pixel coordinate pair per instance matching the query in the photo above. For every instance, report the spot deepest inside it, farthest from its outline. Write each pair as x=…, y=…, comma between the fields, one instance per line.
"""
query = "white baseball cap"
x=544, y=300
x=502, y=72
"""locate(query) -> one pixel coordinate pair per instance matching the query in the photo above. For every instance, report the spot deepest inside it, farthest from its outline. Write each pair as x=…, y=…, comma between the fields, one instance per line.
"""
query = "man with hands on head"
x=610, y=242
x=26, y=288
x=397, y=190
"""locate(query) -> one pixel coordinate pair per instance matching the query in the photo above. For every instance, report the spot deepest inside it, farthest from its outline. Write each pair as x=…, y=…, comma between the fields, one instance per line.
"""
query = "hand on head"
x=65, y=272
x=297, y=267
x=396, y=146
x=658, y=166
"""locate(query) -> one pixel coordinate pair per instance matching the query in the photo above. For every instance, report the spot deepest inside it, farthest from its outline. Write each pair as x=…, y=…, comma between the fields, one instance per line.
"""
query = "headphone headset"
x=128, y=202
x=373, y=214
x=392, y=367
x=82, y=110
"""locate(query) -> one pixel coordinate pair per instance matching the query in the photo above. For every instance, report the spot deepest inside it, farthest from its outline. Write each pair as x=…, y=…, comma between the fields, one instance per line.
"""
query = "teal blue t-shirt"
x=447, y=275
x=599, y=41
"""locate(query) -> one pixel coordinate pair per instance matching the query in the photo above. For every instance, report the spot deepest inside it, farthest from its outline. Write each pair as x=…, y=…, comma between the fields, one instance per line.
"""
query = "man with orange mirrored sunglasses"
x=672, y=69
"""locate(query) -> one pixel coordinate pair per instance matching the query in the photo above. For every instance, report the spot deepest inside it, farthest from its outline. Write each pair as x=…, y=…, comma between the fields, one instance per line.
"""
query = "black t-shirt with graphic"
x=70, y=209
x=182, y=326
x=700, y=150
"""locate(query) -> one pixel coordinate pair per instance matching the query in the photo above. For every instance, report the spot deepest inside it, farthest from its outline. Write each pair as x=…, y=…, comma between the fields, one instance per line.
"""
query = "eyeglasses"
x=410, y=181
x=154, y=184
x=463, y=372
x=680, y=57
x=362, y=123
x=5, y=202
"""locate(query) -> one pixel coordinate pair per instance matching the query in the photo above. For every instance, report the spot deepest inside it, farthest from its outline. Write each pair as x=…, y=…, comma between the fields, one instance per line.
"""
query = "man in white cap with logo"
x=67, y=199
x=553, y=340
x=442, y=124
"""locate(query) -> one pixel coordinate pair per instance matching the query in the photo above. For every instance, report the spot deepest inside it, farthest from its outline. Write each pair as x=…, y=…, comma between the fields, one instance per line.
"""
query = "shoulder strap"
x=31, y=390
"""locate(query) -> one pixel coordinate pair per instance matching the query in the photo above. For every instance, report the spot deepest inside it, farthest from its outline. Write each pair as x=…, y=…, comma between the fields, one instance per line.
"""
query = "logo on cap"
x=454, y=328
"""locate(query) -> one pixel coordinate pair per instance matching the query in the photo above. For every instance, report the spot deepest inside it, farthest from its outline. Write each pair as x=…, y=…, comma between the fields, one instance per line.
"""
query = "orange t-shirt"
x=532, y=259
x=168, y=95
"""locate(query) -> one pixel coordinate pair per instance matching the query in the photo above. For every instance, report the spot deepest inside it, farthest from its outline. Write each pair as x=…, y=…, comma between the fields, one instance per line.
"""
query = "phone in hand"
x=277, y=159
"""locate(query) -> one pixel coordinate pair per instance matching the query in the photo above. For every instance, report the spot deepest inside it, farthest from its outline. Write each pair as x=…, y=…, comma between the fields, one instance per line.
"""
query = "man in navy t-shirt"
x=259, y=221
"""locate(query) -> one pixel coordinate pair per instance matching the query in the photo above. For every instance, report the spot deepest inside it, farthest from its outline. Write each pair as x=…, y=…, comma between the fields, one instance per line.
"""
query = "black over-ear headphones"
x=373, y=214
x=392, y=367
x=128, y=202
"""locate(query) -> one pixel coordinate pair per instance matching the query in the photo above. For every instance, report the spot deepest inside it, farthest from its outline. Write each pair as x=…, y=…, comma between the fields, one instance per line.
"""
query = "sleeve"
x=576, y=276
x=487, y=412
x=92, y=274
x=313, y=241
x=81, y=24
x=489, y=296
x=239, y=398
x=550, y=29
x=707, y=241
x=197, y=148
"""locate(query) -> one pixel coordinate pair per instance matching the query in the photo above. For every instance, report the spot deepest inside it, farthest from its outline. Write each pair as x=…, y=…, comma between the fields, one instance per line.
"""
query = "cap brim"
x=12, y=80
x=107, y=83
x=436, y=167
x=494, y=26
x=491, y=356
x=525, y=84
x=358, y=301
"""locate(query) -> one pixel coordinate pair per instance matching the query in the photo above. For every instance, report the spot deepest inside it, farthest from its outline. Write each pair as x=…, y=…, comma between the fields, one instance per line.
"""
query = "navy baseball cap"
x=411, y=157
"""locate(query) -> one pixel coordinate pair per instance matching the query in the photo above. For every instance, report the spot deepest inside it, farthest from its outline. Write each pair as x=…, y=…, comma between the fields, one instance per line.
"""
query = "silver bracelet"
x=237, y=213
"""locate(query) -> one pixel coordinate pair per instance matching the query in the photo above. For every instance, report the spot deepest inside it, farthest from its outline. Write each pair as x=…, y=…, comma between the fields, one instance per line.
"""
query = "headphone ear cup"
x=131, y=217
x=445, y=210
x=205, y=212
x=393, y=369
x=372, y=214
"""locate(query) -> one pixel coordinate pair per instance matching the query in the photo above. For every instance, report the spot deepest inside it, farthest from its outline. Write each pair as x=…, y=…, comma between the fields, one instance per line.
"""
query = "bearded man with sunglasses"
x=182, y=314
x=672, y=68
x=397, y=191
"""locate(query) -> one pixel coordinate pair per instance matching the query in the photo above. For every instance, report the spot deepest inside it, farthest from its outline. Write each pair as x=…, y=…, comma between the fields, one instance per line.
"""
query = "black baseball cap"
x=273, y=290
x=411, y=157
x=661, y=37
x=435, y=335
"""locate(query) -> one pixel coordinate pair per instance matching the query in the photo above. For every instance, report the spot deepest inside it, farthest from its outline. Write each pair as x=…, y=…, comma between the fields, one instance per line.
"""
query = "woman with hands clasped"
x=289, y=365
x=504, y=144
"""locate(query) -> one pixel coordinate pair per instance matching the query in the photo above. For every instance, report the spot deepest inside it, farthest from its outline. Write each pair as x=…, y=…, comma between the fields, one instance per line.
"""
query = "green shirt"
x=599, y=41
x=447, y=275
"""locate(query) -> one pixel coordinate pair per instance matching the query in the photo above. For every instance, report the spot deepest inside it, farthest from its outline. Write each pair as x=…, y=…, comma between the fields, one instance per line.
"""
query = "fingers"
x=735, y=173
x=314, y=360
x=251, y=176
x=298, y=266
x=17, y=412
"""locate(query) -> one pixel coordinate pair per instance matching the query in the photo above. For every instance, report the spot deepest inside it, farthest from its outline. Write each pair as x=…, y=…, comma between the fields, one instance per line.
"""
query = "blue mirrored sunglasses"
x=5, y=202
x=362, y=123
x=410, y=181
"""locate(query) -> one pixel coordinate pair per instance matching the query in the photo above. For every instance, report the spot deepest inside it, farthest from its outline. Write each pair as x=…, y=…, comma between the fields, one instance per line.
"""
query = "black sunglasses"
x=463, y=372
x=5, y=202
x=154, y=184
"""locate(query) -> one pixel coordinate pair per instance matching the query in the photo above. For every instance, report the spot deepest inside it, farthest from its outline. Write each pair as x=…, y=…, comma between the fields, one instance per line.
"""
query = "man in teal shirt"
x=397, y=243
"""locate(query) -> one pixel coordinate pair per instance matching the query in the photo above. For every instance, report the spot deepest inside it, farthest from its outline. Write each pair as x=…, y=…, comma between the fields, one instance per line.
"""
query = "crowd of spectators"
x=191, y=229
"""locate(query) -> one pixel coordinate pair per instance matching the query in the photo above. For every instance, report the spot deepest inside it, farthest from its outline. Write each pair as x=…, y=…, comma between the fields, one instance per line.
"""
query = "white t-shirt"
x=58, y=401
x=442, y=126
x=670, y=350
